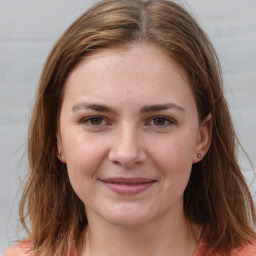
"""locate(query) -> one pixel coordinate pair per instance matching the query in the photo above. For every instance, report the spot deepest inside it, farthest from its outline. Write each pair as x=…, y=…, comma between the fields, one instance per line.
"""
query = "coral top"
x=25, y=249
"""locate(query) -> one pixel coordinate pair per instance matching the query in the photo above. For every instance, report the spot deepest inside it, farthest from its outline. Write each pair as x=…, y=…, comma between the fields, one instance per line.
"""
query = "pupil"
x=96, y=121
x=159, y=121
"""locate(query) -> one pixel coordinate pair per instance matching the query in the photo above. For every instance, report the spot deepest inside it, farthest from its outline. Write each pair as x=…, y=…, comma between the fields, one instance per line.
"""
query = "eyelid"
x=106, y=122
x=170, y=121
x=86, y=121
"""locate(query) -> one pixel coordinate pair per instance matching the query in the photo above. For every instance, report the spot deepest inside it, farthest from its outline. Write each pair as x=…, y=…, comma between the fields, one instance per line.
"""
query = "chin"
x=130, y=221
x=130, y=217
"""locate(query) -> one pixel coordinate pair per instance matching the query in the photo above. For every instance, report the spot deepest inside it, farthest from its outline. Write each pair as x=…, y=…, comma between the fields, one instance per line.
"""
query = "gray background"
x=28, y=30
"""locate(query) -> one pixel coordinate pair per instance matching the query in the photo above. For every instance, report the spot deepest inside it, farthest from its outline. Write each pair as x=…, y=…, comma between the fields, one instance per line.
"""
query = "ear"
x=60, y=150
x=204, y=139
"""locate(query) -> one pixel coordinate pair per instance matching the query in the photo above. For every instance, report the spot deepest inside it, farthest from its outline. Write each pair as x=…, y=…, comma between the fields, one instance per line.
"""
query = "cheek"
x=83, y=156
x=175, y=150
x=175, y=165
x=174, y=158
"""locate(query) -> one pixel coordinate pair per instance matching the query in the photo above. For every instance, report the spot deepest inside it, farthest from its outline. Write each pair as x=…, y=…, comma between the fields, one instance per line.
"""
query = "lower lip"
x=129, y=189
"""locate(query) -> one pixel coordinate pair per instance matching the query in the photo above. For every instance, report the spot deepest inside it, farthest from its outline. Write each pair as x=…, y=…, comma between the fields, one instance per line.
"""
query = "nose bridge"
x=127, y=148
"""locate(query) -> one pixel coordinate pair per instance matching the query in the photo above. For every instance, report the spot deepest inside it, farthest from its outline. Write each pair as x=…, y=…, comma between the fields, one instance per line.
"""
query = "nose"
x=127, y=148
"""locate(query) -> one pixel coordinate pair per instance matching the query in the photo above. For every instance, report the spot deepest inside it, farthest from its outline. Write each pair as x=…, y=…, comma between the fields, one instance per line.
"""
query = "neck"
x=161, y=237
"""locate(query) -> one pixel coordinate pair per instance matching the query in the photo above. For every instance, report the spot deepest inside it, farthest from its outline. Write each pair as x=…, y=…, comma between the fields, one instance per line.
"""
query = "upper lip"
x=121, y=180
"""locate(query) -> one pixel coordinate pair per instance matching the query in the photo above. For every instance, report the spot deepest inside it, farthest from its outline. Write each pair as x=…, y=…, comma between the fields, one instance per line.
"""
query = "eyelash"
x=89, y=120
x=103, y=121
x=167, y=121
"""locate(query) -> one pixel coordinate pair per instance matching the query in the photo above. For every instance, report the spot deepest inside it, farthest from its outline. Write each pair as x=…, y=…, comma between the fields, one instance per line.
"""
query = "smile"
x=129, y=186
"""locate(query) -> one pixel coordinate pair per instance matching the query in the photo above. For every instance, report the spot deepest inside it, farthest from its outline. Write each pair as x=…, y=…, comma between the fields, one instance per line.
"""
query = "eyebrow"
x=159, y=107
x=104, y=108
x=92, y=106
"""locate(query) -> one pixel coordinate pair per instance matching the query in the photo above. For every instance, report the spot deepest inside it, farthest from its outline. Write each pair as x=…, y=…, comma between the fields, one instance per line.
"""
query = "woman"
x=131, y=146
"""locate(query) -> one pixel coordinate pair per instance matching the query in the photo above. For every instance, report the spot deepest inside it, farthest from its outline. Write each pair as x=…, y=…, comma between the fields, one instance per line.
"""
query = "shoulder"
x=22, y=248
x=246, y=250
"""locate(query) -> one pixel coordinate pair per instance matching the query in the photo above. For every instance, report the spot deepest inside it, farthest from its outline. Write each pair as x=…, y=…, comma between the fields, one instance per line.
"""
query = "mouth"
x=128, y=186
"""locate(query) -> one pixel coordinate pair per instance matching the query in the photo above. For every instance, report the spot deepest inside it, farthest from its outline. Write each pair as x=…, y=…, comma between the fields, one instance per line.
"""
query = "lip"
x=128, y=186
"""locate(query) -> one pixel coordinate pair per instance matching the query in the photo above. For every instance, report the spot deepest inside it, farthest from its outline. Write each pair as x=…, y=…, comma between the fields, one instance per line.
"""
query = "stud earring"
x=199, y=155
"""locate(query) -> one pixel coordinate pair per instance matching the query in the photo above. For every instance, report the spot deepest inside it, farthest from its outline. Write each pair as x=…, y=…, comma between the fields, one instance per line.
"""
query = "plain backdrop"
x=28, y=30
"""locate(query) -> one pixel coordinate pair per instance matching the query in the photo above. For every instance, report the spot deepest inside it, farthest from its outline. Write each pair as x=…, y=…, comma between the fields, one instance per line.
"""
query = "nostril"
x=116, y=162
x=127, y=159
x=127, y=148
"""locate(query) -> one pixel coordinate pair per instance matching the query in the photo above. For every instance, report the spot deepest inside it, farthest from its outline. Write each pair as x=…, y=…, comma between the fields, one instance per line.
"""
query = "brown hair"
x=216, y=195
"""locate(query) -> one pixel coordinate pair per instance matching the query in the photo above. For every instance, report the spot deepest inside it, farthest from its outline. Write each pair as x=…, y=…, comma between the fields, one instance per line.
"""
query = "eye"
x=161, y=121
x=94, y=121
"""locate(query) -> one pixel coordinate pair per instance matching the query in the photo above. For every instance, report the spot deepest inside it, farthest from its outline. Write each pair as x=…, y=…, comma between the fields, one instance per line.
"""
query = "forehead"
x=137, y=57
x=138, y=70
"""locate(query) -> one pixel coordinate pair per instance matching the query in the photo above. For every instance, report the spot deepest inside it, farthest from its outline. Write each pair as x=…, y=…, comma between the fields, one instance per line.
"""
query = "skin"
x=130, y=113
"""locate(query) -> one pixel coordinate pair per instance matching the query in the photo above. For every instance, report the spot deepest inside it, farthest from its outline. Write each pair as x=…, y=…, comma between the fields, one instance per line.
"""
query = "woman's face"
x=129, y=134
